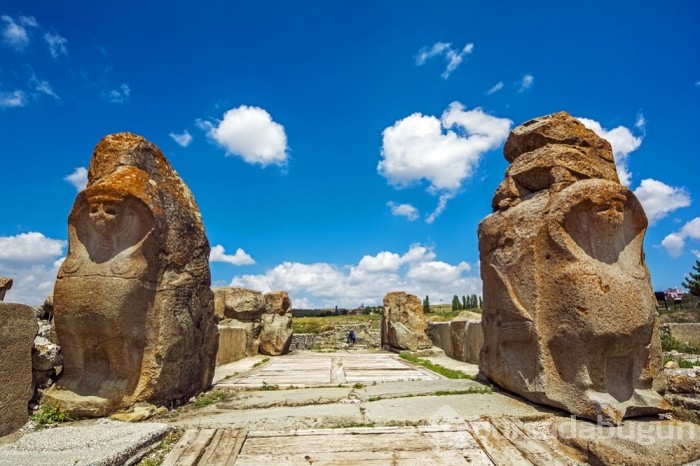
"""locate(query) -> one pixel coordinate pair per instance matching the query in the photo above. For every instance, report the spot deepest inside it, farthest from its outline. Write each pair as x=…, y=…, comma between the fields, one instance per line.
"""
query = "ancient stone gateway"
x=569, y=314
x=133, y=309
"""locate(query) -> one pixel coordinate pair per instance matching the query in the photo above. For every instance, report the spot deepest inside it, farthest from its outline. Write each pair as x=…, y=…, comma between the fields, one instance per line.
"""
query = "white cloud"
x=119, y=95
x=14, y=33
x=495, y=88
x=57, y=44
x=623, y=142
x=442, y=203
x=660, y=199
x=453, y=57
x=444, y=151
x=218, y=254
x=78, y=178
x=12, y=99
x=675, y=242
x=32, y=261
x=183, y=139
x=526, y=83
x=696, y=253
x=326, y=285
x=250, y=133
x=697, y=83
x=403, y=210
x=41, y=86
x=640, y=122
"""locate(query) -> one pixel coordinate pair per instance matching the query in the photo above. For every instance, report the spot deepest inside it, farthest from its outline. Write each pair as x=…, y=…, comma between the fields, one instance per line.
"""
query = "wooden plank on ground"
x=223, y=448
x=539, y=453
x=338, y=443
x=190, y=448
x=497, y=447
x=382, y=457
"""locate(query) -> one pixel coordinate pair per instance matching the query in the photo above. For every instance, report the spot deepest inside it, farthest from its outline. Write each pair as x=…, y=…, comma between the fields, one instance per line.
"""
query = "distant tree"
x=692, y=281
x=481, y=303
x=456, y=305
x=464, y=302
x=426, y=304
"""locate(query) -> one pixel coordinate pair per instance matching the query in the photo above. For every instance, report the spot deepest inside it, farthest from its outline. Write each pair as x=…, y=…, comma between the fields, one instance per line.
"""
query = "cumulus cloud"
x=526, y=83
x=495, y=88
x=675, y=242
x=250, y=132
x=325, y=285
x=623, y=142
x=56, y=44
x=32, y=261
x=660, y=199
x=640, y=122
x=13, y=99
x=445, y=152
x=15, y=32
x=403, y=210
x=183, y=139
x=78, y=178
x=453, y=57
x=119, y=95
x=218, y=254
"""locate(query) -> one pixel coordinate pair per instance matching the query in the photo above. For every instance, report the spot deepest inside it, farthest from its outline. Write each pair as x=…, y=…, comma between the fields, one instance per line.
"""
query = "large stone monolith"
x=133, y=307
x=569, y=314
x=403, y=323
x=17, y=331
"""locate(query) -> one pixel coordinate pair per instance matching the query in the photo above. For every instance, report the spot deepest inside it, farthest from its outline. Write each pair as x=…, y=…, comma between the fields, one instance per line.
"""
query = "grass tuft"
x=437, y=368
x=49, y=415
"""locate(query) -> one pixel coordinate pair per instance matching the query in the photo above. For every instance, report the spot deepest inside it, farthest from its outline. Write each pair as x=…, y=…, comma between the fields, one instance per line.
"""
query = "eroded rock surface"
x=569, y=314
x=17, y=331
x=403, y=322
x=265, y=318
x=132, y=305
x=5, y=285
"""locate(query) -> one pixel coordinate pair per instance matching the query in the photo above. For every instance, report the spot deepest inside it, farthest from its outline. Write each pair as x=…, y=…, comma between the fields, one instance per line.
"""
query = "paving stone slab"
x=102, y=442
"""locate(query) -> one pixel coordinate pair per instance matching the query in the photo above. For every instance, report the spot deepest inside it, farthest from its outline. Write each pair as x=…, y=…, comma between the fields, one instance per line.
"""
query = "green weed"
x=260, y=363
x=48, y=415
x=437, y=368
x=210, y=398
x=269, y=386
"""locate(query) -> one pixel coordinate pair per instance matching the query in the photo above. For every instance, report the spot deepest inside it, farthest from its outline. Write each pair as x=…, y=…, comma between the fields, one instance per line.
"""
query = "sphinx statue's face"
x=104, y=215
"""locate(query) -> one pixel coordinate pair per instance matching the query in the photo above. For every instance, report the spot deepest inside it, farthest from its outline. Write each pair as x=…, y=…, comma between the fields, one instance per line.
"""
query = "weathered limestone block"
x=276, y=333
x=403, y=322
x=232, y=344
x=17, y=331
x=132, y=305
x=475, y=340
x=242, y=308
x=239, y=304
x=440, y=333
x=5, y=285
x=569, y=315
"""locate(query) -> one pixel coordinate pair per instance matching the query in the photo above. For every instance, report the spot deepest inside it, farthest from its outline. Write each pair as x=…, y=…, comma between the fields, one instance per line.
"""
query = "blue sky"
x=341, y=150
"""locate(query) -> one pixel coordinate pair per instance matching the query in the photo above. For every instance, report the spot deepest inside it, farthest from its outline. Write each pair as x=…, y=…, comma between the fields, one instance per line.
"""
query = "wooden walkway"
x=501, y=441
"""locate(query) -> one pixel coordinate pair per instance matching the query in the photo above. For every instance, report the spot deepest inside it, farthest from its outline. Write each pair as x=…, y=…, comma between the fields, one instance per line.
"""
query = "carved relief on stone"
x=132, y=304
x=569, y=315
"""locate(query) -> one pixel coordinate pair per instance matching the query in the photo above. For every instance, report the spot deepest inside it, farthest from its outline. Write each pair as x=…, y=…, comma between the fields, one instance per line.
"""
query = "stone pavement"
x=365, y=408
x=309, y=369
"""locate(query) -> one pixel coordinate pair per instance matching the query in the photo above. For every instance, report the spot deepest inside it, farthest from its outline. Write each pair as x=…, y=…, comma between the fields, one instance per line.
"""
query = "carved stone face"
x=104, y=215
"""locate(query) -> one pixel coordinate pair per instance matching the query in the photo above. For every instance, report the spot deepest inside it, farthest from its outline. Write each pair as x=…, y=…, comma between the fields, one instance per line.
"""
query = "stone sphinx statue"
x=569, y=314
x=132, y=305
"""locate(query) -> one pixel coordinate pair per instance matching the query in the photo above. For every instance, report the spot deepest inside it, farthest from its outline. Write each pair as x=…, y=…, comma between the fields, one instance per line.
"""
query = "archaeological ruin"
x=133, y=307
x=569, y=315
